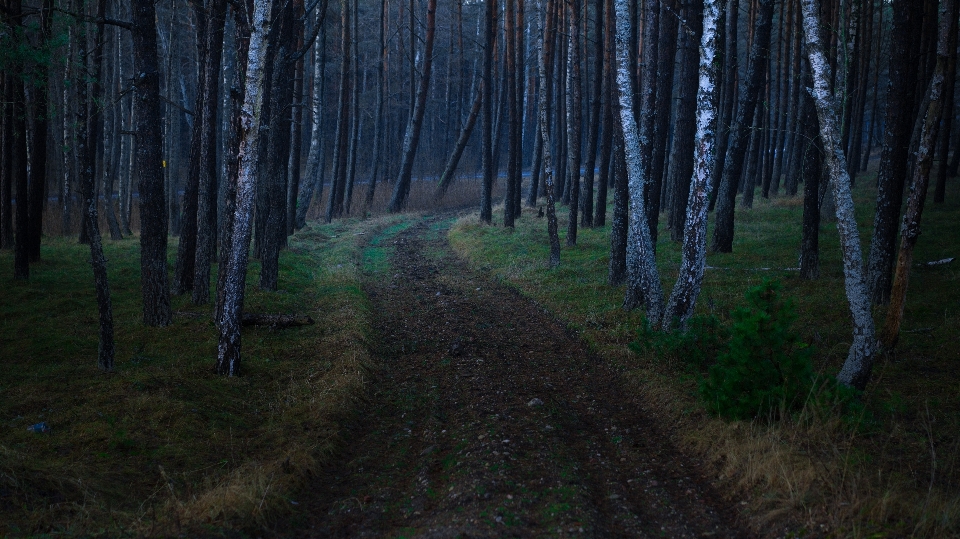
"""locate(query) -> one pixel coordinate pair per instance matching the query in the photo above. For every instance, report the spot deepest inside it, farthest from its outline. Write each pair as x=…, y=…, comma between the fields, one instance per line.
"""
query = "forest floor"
x=489, y=418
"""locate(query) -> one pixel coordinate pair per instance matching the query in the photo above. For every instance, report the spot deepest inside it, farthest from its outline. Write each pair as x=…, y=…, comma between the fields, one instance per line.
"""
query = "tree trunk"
x=812, y=170
x=740, y=130
x=316, y=158
x=235, y=271
x=339, y=179
x=296, y=125
x=683, y=299
x=643, y=279
x=510, y=66
x=595, y=115
x=896, y=144
x=548, y=28
x=489, y=34
x=574, y=118
x=378, y=134
x=910, y=229
x=412, y=137
x=666, y=56
x=149, y=125
x=38, y=153
x=856, y=369
x=355, y=125
x=450, y=170
x=606, y=140
x=943, y=146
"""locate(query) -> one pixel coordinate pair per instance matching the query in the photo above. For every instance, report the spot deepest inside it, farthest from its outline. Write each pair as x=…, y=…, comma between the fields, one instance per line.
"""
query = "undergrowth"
x=878, y=464
x=162, y=446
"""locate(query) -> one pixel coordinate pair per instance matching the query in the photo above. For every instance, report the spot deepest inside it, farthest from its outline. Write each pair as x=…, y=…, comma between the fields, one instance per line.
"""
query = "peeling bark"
x=856, y=369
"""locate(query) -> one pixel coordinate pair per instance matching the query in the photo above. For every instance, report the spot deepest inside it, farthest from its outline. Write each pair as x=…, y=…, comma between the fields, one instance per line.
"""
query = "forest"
x=479, y=268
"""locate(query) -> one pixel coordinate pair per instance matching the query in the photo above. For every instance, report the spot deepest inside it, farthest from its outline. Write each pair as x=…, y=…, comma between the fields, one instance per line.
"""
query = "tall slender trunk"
x=596, y=112
x=235, y=266
x=683, y=299
x=206, y=211
x=21, y=258
x=450, y=170
x=380, y=127
x=896, y=144
x=606, y=140
x=643, y=279
x=739, y=131
x=296, y=125
x=666, y=56
x=339, y=179
x=489, y=35
x=38, y=153
x=153, y=210
x=943, y=146
x=910, y=229
x=355, y=124
x=411, y=139
x=856, y=369
x=316, y=158
x=574, y=118
x=510, y=81
x=546, y=67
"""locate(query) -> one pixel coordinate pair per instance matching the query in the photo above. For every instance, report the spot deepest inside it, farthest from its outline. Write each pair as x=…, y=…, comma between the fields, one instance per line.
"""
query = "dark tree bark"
x=489, y=34
x=90, y=125
x=684, y=130
x=910, y=229
x=296, y=127
x=606, y=141
x=411, y=139
x=896, y=144
x=450, y=170
x=206, y=213
x=666, y=56
x=943, y=145
x=380, y=126
x=510, y=66
x=620, y=223
x=739, y=131
x=812, y=171
x=183, y=269
x=21, y=258
x=339, y=179
x=355, y=125
x=574, y=118
x=596, y=111
x=7, y=174
x=149, y=121
x=38, y=152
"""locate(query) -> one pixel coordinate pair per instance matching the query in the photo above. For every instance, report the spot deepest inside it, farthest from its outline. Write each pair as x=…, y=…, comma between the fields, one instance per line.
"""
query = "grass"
x=894, y=473
x=162, y=445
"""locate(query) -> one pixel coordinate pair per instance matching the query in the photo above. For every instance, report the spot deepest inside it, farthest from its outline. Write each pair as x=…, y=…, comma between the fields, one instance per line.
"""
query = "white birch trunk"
x=228, y=350
x=643, y=279
x=856, y=369
x=684, y=296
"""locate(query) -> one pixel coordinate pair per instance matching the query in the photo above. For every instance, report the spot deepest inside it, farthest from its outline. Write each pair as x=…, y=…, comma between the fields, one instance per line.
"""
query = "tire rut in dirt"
x=490, y=420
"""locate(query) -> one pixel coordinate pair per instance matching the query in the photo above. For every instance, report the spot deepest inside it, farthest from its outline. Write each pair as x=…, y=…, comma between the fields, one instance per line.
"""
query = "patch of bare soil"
x=489, y=419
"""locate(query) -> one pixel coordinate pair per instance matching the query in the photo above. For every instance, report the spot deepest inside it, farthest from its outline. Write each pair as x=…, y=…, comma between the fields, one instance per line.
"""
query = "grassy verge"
x=891, y=472
x=162, y=445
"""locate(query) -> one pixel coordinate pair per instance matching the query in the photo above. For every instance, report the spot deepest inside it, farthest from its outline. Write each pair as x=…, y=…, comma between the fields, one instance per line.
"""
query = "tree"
x=411, y=139
x=546, y=65
x=317, y=157
x=910, y=229
x=898, y=122
x=856, y=369
x=153, y=215
x=740, y=129
x=574, y=117
x=235, y=270
x=489, y=37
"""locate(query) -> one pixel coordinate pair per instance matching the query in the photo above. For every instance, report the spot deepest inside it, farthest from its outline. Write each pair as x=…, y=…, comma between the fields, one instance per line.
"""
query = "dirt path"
x=490, y=420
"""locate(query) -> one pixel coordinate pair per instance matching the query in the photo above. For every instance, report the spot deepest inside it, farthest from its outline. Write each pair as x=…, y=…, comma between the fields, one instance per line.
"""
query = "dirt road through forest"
x=489, y=419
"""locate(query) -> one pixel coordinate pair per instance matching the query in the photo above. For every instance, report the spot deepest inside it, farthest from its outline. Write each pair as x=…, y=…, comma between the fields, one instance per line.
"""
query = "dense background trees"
x=139, y=107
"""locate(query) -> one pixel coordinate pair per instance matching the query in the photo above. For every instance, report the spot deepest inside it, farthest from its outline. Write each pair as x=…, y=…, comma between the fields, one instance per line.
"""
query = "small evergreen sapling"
x=766, y=369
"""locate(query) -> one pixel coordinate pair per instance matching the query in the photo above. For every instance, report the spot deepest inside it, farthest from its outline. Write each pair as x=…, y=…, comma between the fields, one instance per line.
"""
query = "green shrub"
x=765, y=369
x=697, y=347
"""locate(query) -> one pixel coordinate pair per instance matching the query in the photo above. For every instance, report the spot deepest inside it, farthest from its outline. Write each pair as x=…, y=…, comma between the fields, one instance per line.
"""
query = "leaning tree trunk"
x=90, y=127
x=412, y=138
x=450, y=170
x=149, y=126
x=643, y=286
x=546, y=66
x=228, y=349
x=684, y=296
x=740, y=130
x=910, y=229
x=856, y=369
x=896, y=144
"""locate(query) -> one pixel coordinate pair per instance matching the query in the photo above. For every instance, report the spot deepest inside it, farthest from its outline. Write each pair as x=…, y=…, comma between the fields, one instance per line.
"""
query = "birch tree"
x=860, y=358
x=687, y=288
x=643, y=279
x=234, y=282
